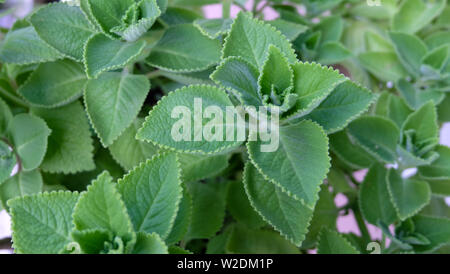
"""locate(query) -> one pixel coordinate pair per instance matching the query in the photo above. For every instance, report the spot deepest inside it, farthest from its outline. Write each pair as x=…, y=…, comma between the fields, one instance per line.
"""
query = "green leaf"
x=106, y=14
x=250, y=39
x=23, y=46
x=36, y=228
x=129, y=152
x=208, y=203
x=239, y=206
x=299, y=165
x=424, y=123
x=410, y=50
x=377, y=135
x=384, y=65
x=413, y=15
x=101, y=207
x=436, y=230
x=92, y=241
x=289, y=29
x=198, y=167
x=397, y=109
x=152, y=193
x=331, y=242
x=439, y=169
x=54, y=84
x=437, y=58
x=344, y=104
x=64, y=28
x=21, y=184
x=313, y=83
x=158, y=127
x=246, y=241
x=29, y=135
x=376, y=42
x=178, y=16
x=331, y=29
x=70, y=144
x=417, y=98
x=182, y=221
x=183, y=48
x=213, y=28
x=276, y=76
x=104, y=54
x=374, y=199
x=8, y=161
x=239, y=77
x=332, y=53
x=349, y=152
x=286, y=214
x=147, y=243
x=5, y=116
x=407, y=196
x=113, y=102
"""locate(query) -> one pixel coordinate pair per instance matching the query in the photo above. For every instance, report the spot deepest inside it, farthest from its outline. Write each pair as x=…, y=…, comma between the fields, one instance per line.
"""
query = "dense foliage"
x=88, y=159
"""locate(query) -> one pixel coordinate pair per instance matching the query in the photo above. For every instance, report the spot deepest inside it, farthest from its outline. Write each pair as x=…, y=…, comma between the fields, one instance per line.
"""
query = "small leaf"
x=158, y=125
x=344, y=104
x=63, y=27
x=7, y=161
x=23, y=46
x=29, y=135
x=106, y=13
x=300, y=163
x=384, y=65
x=288, y=215
x=5, y=116
x=70, y=146
x=250, y=39
x=436, y=230
x=113, y=102
x=36, y=230
x=424, y=123
x=413, y=15
x=152, y=193
x=92, y=241
x=417, y=98
x=213, y=28
x=331, y=242
x=374, y=199
x=349, y=152
x=101, y=207
x=439, y=169
x=240, y=77
x=23, y=183
x=199, y=167
x=332, y=53
x=54, y=84
x=377, y=135
x=289, y=29
x=147, y=243
x=104, y=54
x=183, y=48
x=410, y=50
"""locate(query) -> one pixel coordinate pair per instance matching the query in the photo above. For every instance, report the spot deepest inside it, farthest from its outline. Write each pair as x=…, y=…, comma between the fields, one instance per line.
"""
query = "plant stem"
x=226, y=8
x=255, y=5
x=153, y=74
x=16, y=100
x=361, y=224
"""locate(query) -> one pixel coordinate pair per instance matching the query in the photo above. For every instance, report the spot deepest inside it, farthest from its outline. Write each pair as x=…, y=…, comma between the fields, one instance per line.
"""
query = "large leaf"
x=384, y=65
x=101, y=207
x=182, y=221
x=408, y=196
x=70, y=144
x=29, y=135
x=213, y=27
x=54, y=84
x=413, y=15
x=239, y=77
x=374, y=199
x=343, y=105
x=331, y=242
x=410, y=50
x=36, y=230
x=63, y=27
x=436, y=230
x=349, y=152
x=129, y=152
x=416, y=97
x=288, y=215
x=106, y=14
x=198, y=167
x=184, y=48
x=152, y=193
x=104, y=54
x=189, y=103
x=300, y=163
x=250, y=39
x=439, y=169
x=113, y=102
x=23, y=46
x=379, y=136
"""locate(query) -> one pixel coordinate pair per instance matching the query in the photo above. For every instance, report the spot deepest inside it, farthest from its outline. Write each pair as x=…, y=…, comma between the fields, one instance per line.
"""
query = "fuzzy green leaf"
x=198, y=167
x=106, y=14
x=276, y=74
x=436, y=230
x=424, y=123
x=439, y=169
x=213, y=27
x=413, y=15
x=349, y=152
x=54, y=84
x=8, y=161
x=42, y=223
x=250, y=39
x=410, y=50
x=300, y=163
x=384, y=65
x=63, y=27
x=290, y=29
x=23, y=183
x=288, y=215
x=152, y=193
x=331, y=242
x=178, y=50
x=113, y=102
x=147, y=243
x=415, y=97
x=183, y=219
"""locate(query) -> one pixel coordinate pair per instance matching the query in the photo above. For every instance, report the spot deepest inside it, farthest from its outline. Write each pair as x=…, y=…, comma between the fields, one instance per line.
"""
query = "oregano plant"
x=144, y=127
